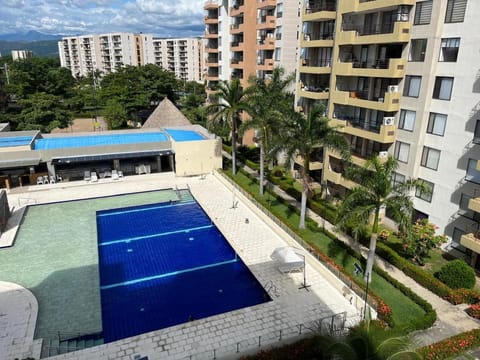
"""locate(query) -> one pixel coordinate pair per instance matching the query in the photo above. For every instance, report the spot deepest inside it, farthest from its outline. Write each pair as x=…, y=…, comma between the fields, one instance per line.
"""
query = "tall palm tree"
x=269, y=102
x=232, y=101
x=302, y=135
x=377, y=190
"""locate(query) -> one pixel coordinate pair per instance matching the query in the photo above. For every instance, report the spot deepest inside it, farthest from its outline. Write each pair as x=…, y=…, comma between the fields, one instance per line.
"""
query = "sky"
x=162, y=18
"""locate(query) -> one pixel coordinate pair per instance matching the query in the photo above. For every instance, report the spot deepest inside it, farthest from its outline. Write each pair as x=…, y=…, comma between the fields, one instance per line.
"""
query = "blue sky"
x=164, y=18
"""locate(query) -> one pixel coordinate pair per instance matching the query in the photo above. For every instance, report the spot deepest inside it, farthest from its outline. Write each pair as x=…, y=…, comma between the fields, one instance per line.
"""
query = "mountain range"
x=43, y=45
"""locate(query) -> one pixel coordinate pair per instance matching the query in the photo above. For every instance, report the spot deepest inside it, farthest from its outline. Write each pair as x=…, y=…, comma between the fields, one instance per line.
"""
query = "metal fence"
x=331, y=325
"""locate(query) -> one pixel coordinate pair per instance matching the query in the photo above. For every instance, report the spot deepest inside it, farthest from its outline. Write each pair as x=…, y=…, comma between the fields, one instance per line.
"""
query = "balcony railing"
x=315, y=87
x=314, y=36
x=356, y=122
x=316, y=62
x=316, y=6
x=372, y=29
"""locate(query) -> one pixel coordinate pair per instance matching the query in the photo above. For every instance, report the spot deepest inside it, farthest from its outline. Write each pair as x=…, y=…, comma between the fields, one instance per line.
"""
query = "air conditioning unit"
x=392, y=88
x=388, y=120
x=383, y=154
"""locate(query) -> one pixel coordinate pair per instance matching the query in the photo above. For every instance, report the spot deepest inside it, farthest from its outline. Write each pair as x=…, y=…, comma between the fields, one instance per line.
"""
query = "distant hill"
x=29, y=36
x=39, y=48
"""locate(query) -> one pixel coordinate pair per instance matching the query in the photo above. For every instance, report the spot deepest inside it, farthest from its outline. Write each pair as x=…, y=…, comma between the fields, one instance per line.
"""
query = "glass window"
x=418, y=47
x=455, y=11
x=436, y=124
x=449, y=49
x=398, y=178
x=278, y=53
x=278, y=33
x=443, y=88
x=476, y=135
x=425, y=195
x=407, y=120
x=465, y=210
x=430, y=158
x=473, y=174
x=423, y=12
x=457, y=234
x=412, y=86
x=279, y=10
x=402, y=150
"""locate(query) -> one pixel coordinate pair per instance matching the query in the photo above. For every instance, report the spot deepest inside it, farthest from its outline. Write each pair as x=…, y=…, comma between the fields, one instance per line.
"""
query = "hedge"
x=383, y=310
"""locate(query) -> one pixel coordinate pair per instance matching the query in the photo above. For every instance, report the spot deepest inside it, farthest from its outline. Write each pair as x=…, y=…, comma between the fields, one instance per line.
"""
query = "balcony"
x=236, y=28
x=210, y=20
x=313, y=92
x=211, y=50
x=237, y=10
x=236, y=46
x=358, y=159
x=474, y=203
x=335, y=176
x=390, y=68
x=211, y=63
x=384, y=134
x=471, y=241
x=390, y=102
x=399, y=32
x=211, y=34
x=267, y=43
x=265, y=64
x=236, y=63
x=316, y=66
x=362, y=5
x=320, y=15
x=314, y=165
x=321, y=40
x=266, y=22
x=265, y=4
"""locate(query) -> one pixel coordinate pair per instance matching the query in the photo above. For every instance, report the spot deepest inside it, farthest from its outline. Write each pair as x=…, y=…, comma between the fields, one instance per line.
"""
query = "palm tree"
x=301, y=136
x=269, y=102
x=377, y=191
x=232, y=101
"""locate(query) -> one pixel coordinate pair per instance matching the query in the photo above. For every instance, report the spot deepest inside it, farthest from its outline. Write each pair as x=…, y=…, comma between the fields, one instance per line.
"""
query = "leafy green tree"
x=376, y=191
x=115, y=114
x=232, y=100
x=43, y=112
x=421, y=240
x=269, y=101
x=301, y=136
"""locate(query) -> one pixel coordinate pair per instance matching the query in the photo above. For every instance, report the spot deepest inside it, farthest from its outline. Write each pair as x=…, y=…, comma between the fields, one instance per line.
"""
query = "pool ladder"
x=271, y=289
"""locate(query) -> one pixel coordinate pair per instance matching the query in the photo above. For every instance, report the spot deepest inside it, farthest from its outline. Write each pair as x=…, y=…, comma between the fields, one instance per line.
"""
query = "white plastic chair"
x=40, y=180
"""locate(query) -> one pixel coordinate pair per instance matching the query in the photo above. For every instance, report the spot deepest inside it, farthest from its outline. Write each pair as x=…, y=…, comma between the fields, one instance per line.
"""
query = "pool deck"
x=253, y=240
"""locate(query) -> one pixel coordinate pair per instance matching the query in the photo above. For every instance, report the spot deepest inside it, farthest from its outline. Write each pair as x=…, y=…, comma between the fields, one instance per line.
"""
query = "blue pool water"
x=15, y=141
x=184, y=135
x=98, y=140
x=165, y=264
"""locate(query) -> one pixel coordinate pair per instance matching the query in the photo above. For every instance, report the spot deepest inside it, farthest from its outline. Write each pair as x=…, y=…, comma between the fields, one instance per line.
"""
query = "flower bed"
x=452, y=346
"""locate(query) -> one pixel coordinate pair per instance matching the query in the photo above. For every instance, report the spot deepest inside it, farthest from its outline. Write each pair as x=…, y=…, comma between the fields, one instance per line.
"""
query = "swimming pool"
x=184, y=135
x=164, y=264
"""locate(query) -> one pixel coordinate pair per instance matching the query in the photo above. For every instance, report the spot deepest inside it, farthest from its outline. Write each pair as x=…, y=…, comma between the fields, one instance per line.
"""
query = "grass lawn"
x=404, y=309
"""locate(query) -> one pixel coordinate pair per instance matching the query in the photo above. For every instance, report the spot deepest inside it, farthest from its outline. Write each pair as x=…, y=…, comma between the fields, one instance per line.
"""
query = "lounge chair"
x=87, y=176
x=93, y=177
x=115, y=175
x=52, y=179
x=120, y=173
x=59, y=178
x=40, y=180
x=288, y=260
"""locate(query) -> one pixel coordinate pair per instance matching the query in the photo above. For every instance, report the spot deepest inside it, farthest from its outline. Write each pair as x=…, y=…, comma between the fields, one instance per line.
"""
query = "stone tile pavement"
x=244, y=328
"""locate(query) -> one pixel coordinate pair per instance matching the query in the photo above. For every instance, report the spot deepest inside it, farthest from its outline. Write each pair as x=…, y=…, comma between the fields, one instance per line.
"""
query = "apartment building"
x=250, y=37
x=105, y=52
x=21, y=54
x=182, y=56
x=401, y=77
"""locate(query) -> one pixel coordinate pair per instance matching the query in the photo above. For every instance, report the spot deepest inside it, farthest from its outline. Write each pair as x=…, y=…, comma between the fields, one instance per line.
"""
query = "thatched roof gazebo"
x=166, y=115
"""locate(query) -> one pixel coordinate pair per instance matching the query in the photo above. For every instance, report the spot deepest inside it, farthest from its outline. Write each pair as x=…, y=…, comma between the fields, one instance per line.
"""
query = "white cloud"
x=162, y=18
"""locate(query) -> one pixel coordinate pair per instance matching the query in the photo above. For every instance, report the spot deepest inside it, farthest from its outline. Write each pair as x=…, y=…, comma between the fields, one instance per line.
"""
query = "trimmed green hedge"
x=383, y=310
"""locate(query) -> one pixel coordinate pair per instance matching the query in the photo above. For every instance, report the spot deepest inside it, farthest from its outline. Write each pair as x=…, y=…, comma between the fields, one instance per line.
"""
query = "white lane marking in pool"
x=155, y=235
x=129, y=250
x=155, y=277
x=187, y=202
x=191, y=238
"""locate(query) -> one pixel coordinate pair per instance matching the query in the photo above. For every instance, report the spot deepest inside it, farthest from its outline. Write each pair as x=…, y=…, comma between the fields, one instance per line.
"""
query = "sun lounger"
x=87, y=176
x=93, y=176
x=115, y=175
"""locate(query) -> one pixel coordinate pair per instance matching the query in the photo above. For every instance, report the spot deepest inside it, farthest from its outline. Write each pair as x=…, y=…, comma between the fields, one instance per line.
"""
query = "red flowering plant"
x=447, y=348
x=474, y=311
x=421, y=240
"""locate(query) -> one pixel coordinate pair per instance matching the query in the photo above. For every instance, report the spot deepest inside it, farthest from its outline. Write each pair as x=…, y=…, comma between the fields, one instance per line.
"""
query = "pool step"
x=54, y=346
x=185, y=195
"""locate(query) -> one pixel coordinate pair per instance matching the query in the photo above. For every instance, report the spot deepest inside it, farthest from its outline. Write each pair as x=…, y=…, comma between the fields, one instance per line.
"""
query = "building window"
x=465, y=210
x=402, y=150
x=412, y=86
x=278, y=53
x=418, y=47
x=426, y=194
x=430, y=158
x=455, y=11
x=443, y=88
x=436, y=124
x=398, y=178
x=278, y=33
x=449, y=50
x=407, y=120
x=473, y=174
x=279, y=10
x=423, y=12
x=457, y=234
x=476, y=134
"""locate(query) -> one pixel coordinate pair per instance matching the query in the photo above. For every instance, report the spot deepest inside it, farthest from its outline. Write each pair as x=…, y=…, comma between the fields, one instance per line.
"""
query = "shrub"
x=454, y=345
x=457, y=274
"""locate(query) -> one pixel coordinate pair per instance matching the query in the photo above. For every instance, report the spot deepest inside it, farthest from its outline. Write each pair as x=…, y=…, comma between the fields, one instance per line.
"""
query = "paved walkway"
x=451, y=319
x=240, y=329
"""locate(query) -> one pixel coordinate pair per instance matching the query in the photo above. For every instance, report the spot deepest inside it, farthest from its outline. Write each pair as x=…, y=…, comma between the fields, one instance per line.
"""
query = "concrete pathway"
x=451, y=319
